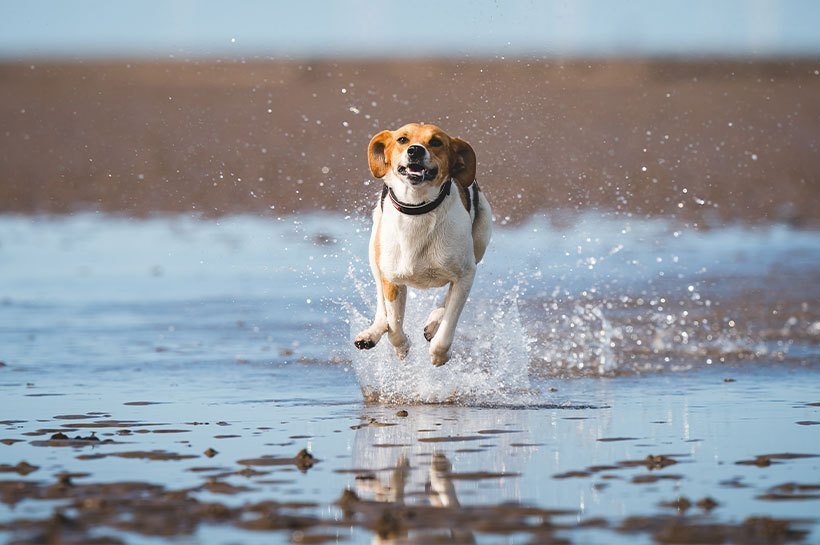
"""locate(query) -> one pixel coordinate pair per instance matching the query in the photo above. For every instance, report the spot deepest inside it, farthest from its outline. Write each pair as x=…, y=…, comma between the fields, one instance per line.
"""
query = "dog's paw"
x=400, y=342
x=439, y=358
x=402, y=350
x=439, y=352
x=364, y=344
x=432, y=324
x=365, y=341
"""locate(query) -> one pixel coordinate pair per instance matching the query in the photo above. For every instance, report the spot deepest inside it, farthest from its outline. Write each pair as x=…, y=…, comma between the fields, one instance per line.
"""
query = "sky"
x=417, y=28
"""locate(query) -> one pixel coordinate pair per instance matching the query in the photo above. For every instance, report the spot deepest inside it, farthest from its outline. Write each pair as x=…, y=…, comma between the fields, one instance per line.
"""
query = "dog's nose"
x=415, y=151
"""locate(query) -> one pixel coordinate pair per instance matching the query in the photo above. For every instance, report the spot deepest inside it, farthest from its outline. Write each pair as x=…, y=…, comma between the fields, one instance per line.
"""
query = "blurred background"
x=708, y=112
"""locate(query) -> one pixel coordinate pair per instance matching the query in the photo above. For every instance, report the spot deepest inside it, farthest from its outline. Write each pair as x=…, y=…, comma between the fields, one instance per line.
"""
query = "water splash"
x=579, y=339
x=605, y=298
x=489, y=362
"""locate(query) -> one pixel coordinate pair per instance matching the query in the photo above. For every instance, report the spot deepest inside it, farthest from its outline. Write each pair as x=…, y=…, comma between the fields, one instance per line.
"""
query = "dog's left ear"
x=377, y=154
x=463, y=162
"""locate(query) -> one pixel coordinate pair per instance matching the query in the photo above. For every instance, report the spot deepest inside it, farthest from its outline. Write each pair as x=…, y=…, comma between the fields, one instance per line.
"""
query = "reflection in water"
x=459, y=432
x=452, y=474
x=439, y=491
x=392, y=491
x=442, y=462
x=405, y=472
x=442, y=491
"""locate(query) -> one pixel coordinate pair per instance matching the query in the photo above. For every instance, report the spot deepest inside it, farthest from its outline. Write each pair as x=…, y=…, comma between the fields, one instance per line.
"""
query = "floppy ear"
x=463, y=162
x=377, y=154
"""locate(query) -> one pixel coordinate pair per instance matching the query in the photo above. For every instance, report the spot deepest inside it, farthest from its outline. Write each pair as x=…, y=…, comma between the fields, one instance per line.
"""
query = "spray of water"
x=603, y=298
x=489, y=359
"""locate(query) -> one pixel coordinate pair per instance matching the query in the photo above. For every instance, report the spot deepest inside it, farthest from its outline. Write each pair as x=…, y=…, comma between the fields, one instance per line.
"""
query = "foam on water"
x=489, y=360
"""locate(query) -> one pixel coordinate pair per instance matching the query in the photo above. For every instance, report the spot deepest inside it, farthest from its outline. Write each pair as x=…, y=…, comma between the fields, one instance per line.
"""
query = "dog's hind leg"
x=456, y=298
x=434, y=319
x=395, y=298
x=433, y=322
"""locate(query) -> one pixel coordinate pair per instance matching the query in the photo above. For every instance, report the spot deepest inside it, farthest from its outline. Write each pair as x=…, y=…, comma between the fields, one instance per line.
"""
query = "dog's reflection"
x=439, y=491
x=440, y=488
x=391, y=491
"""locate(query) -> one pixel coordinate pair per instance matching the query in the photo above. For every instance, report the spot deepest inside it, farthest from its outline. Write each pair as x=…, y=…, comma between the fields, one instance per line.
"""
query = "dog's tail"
x=482, y=222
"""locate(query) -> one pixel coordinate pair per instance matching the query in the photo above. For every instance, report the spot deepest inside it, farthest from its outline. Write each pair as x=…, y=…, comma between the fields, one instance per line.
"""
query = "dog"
x=431, y=227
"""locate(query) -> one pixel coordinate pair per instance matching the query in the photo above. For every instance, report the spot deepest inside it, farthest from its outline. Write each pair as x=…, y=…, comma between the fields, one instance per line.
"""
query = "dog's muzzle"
x=416, y=172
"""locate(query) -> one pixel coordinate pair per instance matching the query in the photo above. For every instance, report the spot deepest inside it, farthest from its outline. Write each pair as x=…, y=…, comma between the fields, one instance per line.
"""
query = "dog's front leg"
x=368, y=338
x=395, y=298
x=456, y=298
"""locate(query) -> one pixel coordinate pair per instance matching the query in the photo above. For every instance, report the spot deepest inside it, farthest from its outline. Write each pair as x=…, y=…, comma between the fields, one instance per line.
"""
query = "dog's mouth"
x=416, y=173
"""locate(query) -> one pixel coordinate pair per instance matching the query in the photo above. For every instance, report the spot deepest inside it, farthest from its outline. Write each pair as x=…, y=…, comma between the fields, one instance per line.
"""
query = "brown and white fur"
x=430, y=250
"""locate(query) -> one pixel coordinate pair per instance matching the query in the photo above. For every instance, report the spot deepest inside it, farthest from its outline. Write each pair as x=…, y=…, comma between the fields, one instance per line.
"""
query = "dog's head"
x=421, y=154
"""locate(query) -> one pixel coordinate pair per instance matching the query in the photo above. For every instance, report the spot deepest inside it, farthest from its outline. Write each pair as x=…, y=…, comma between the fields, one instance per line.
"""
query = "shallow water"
x=594, y=293
x=701, y=346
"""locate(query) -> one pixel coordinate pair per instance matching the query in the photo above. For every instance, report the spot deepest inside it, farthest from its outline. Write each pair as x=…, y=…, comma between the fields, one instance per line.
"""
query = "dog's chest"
x=422, y=252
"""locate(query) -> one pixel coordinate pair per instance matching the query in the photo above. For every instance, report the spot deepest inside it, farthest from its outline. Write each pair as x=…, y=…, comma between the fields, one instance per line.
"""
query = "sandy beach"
x=703, y=141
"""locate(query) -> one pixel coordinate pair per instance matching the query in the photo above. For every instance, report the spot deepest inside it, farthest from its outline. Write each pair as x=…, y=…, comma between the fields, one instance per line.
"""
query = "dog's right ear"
x=377, y=153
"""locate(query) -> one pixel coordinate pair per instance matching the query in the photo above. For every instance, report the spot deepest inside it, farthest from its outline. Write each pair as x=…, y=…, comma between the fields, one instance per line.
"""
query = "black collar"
x=416, y=209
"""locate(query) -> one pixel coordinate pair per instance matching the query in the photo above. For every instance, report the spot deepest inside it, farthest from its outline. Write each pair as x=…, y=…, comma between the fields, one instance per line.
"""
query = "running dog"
x=431, y=227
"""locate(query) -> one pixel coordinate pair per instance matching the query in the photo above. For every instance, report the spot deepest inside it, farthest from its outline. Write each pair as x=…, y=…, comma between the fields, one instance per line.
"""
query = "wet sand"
x=705, y=141
x=298, y=470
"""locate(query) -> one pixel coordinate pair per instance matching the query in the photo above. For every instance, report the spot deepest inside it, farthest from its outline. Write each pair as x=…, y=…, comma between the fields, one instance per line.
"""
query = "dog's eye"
x=435, y=142
x=402, y=140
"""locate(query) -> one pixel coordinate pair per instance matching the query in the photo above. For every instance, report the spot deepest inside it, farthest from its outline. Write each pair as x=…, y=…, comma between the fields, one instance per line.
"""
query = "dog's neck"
x=408, y=194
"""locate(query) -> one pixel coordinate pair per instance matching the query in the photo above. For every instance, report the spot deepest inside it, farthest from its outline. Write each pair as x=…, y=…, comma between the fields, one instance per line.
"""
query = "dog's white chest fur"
x=425, y=251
